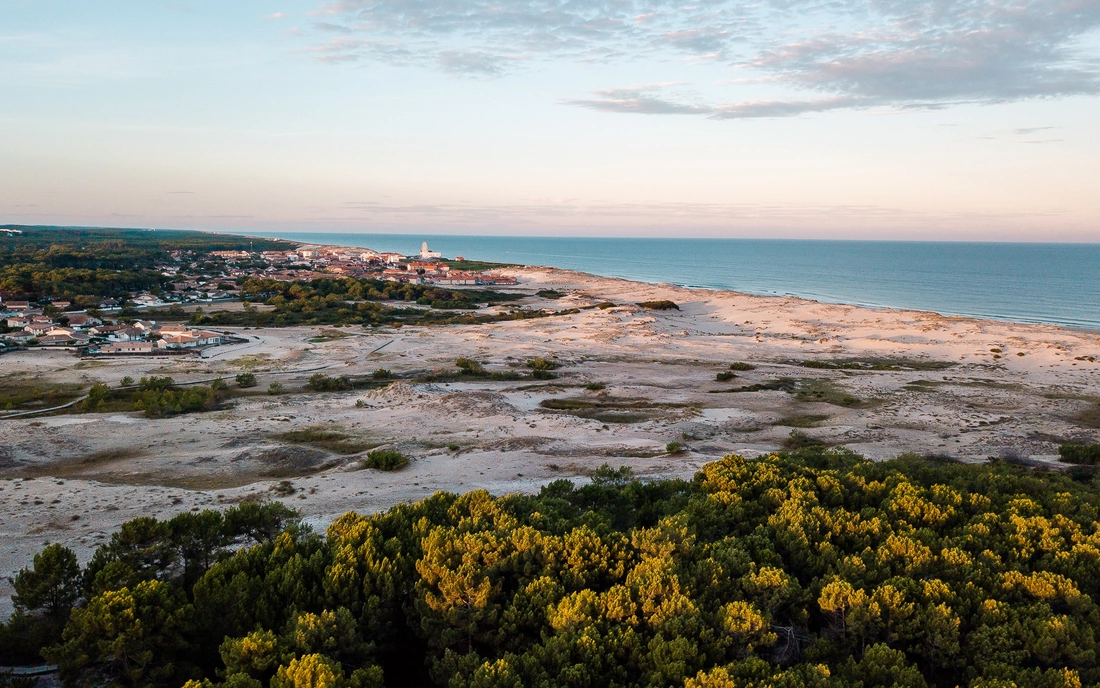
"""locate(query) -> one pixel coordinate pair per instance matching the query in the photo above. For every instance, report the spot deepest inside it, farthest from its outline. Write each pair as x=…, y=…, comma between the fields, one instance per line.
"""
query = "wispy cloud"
x=882, y=53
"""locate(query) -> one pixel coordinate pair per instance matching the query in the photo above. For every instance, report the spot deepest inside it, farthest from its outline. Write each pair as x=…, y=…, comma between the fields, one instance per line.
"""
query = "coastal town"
x=111, y=326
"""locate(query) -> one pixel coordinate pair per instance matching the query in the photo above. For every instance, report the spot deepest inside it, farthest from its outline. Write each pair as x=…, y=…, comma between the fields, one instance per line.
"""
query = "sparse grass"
x=1089, y=417
x=662, y=305
x=71, y=468
x=329, y=336
x=250, y=361
x=331, y=439
x=800, y=440
x=610, y=409
x=18, y=394
x=385, y=460
x=876, y=364
x=783, y=384
x=828, y=392
x=811, y=420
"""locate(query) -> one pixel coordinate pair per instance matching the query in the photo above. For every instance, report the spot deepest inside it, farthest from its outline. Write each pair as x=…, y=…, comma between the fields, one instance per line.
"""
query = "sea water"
x=1024, y=282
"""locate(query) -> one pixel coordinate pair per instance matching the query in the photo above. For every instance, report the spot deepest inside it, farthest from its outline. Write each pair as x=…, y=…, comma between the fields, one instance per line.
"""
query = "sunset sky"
x=890, y=119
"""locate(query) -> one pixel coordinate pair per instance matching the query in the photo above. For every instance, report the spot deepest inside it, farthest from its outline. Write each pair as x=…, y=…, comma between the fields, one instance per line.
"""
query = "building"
x=426, y=254
x=82, y=321
x=131, y=348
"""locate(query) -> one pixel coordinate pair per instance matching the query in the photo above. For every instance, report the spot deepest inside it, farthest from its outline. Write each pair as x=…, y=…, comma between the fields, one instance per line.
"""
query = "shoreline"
x=1088, y=327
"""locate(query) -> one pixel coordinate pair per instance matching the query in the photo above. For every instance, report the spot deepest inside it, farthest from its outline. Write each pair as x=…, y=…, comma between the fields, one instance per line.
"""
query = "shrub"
x=246, y=380
x=674, y=447
x=126, y=381
x=1086, y=454
x=385, y=460
x=275, y=388
x=381, y=374
x=662, y=305
x=742, y=366
x=319, y=382
x=98, y=394
x=542, y=364
x=469, y=366
x=549, y=294
x=595, y=386
x=542, y=374
x=725, y=376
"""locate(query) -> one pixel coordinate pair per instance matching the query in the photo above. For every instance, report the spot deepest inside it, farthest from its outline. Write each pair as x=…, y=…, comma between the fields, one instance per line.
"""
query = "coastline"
x=630, y=381
x=967, y=279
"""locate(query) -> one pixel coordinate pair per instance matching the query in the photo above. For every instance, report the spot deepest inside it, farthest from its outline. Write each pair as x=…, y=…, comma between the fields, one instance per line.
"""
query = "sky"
x=884, y=119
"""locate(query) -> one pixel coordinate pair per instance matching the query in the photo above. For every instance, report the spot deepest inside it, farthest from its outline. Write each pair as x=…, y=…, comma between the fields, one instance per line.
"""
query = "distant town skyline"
x=928, y=119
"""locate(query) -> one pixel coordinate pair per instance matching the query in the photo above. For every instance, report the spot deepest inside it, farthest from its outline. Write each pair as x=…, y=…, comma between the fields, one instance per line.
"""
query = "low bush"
x=381, y=374
x=674, y=447
x=246, y=380
x=725, y=376
x=595, y=386
x=385, y=460
x=1085, y=454
x=739, y=365
x=275, y=388
x=662, y=305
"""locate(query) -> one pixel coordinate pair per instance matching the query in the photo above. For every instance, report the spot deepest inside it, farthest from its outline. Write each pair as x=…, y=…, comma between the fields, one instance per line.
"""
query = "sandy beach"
x=954, y=387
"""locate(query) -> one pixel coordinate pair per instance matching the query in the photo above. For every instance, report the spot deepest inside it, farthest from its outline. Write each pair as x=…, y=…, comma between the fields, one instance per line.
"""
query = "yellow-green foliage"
x=815, y=568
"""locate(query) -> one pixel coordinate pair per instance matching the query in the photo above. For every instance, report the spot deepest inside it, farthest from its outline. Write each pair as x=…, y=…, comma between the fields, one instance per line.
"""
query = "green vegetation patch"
x=827, y=391
x=741, y=366
x=157, y=397
x=552, y=294
x=20, y=394
x=811, y=420
x=800, y=440
x=334, y=440
x=607, y=409
x=662, y=305
x=1086, y=454
x=385, y=460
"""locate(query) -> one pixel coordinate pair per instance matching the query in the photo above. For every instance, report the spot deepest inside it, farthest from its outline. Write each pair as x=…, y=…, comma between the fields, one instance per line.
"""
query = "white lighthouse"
x=426, y=254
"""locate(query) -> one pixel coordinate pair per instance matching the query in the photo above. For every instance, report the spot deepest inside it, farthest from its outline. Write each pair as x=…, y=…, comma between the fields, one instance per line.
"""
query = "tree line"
x=809, y=568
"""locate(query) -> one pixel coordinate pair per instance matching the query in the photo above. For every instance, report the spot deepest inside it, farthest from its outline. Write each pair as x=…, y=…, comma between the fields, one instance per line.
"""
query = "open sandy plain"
x=966, y=388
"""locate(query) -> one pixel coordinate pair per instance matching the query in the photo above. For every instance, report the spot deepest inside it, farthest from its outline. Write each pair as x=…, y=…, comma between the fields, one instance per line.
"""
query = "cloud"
x=649, y=100
x=275, y=15
x=814, y=55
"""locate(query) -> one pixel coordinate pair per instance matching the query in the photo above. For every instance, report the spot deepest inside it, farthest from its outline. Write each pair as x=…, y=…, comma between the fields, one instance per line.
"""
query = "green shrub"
x=674, y=447
x=1085, y=454
x=155, y=383
x=662, y=305
x=381, y=374
x=246, y=380
x=725, y=376
x=595, y=386
x=385, y=460
x=126, y=381
x=542, y=364
x=275, y=388
x=549, y=294
x=319, y=382
x=739, y=365
x=469, y=366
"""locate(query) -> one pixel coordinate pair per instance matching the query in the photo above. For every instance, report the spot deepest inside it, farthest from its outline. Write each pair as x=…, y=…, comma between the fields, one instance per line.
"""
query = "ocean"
x=1057, y=284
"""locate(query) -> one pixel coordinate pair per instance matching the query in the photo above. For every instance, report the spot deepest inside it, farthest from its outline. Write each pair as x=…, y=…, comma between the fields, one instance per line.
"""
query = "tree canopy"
x=811, y=568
